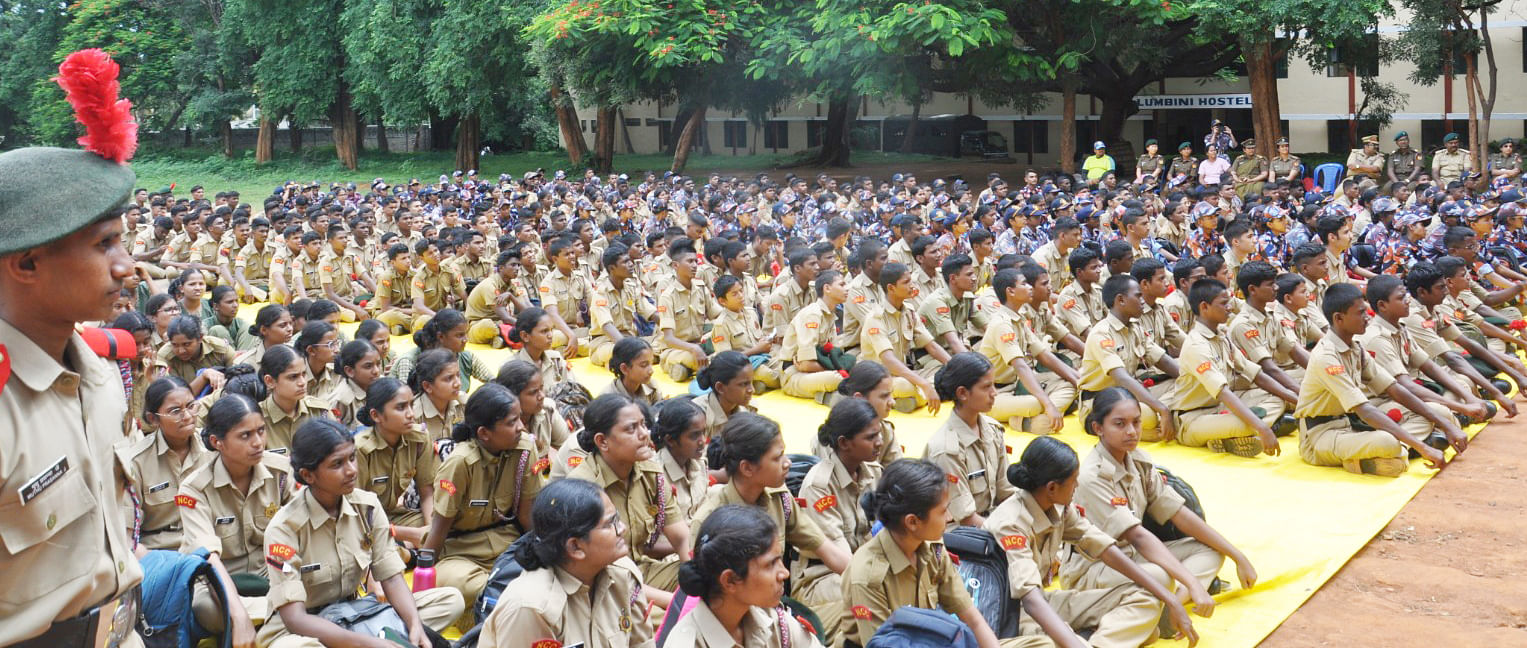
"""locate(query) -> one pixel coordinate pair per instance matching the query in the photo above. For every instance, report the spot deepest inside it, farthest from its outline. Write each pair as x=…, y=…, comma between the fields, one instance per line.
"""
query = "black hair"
x=1065, y=224
x=1306, y=252
x=160, y=389
x=276, y=360
x=1253, y=273
x=1115, y=287
x=321, y=308
x=723, y=368
x=745, y=436
x=487, y=406
x=1046, y=460
x=312, y=333
x=625, y=352
x=1031, y=272
x=847, y=418
x=1288, y=282
x=353, y=352
x=1381, y=288
x=601, y=415
x=1450, y=266
x=427, y=367
x=1079, y=258
x=1203, y=292
x=892, y=272
x=673, y=417
x=725, y=283
x=220, y=291
x=612, y=255
x=564, y=509
x=378, y=395
x=863, y=378
x=515, y=375
x=369, y=328
x=954, y=264
x=266, y=317
x=1339, y=298
x=226, y=413
x=1212, y=264
x=728, y=540
x=921, y=245
x=314, y=440
x=962, y=370
x=1102, y=404
x=132, y=322
x=1004, y=281
x=525, y=322
x=824, y=279
x=1236, y=229
x=1116, y=250
x=1183, y=269
x=906, y=487
x=1456, y=235
x=428, y=336
x=186, y=325
x=1328, y=225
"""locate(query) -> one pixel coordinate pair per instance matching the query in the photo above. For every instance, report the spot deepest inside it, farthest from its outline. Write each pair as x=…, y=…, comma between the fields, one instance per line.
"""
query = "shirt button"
x=121, y=566
x=52, y=521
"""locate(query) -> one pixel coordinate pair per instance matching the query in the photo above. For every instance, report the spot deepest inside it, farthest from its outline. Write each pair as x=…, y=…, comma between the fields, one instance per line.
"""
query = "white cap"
x=1098, y=144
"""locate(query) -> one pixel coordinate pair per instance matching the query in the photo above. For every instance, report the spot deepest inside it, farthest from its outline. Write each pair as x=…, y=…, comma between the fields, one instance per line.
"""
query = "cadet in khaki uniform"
x=1451, y=163
x=1034, y=526
x=810, y=329
x=435, y=287
x=684, y=305
x=864, y=294
x=1258, y=334
x=1404, y=162
x=251, y=266
x=680, y=439
x=950, y=312
x=338, y=274
x=1116, y=355
x=1343, y=379
x=535, y=340
x=189, y=353
x=890, y=336
x=1507, y=163
x=287, y=403
x=790, y=295
x=307, y=267
x=156, y=464
x=393, y=303
x=1081, y=302
x=393, y=453
x=565, y=294
x=482, y=490
x=1212, y=398
x=1155, y=321
x=1184, y=165
x=1008, y=343
x=1283, y=166
x=617, y=301
x=327, y=542
x=489, y=304
x=1150, y=163
x=737, y=329
x=471, y=264
x=1390, y=344
x=591, y=600
x=1367, y=161
x=969, y=445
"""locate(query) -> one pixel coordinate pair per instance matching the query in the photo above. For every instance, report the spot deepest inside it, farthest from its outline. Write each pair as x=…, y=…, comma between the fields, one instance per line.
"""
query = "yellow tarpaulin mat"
x=1296, y=522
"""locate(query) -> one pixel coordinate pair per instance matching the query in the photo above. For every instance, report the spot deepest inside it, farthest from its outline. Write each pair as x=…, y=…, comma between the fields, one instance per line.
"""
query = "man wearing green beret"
x=1404, y=162
x=1507, y=163
x=1451, y=163
x=1184, y=164
x=68, y=569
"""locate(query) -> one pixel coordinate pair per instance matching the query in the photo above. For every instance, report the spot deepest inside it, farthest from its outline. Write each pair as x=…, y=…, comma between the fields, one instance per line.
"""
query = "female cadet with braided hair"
x=527, y=382
x=575, y=590
x=680, y=439
x=969, y=446
x=621, y=463
x=738, y=574
x=532, y=330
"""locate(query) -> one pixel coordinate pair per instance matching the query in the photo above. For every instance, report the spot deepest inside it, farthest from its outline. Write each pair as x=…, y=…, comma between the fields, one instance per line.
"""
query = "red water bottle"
x=424, y=571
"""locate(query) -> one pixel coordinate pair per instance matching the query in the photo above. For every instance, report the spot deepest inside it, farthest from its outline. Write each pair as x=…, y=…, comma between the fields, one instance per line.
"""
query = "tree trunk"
x=1261, y=67
x=442, y=132
x=382, y=145
x=1486, y=98
x=1476, y=147
x=225, y=131
x=910, y=137
x=265, y=142
x=676, y=129
x=468, y=142
x=604, y=140
x=343, y=119
x=837, y=142
x=1117, y=108
x=625, y=133
x=296, y=136
x=686, y=139
x=1068, y=125
x=186, y=137
x=567, y=122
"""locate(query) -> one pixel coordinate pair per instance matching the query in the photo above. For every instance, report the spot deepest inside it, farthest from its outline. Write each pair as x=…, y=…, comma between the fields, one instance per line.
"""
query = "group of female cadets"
x=394, y=456
x=621, y=462
x=330, y=540
x=729, y=377
x=287, y=402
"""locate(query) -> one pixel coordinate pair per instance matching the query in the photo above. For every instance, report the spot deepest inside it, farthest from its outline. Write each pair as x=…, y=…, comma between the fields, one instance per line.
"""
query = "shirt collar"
x=894, y=557
x=38, y=370
x=1205, y=330
x=1039, y=518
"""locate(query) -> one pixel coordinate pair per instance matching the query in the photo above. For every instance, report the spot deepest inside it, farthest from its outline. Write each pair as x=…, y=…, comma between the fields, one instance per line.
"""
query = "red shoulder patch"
x=1119, y=501
x=862, y=613
x=800, y=502
x=1009, y=337
x=1252, y=334
x=858, y=299
x=1288, y=323
x=812, y=325
x=574, y=461
x=281, y=552
x=546, y=643
x=1081, y=510
x=448, y=486
x=943, y=310
x=826, y=502
x=185, y=501
x=1014, y=542
x=778, y=307
x=1204, y=367
x=1336, y=370
x=1070, y=304
x=542, y=465
x=873, y=331
x=1176, y=317
x=1106, y=343
x=953, y=479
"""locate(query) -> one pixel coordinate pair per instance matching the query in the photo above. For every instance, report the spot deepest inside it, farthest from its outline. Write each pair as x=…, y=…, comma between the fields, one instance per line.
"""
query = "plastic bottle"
x=424, y=571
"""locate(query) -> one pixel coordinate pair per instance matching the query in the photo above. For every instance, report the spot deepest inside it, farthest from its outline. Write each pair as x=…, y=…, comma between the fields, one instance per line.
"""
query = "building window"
x=633, y=121
x=776, y=135
x=735, y=134
x=665, y=135
x=1433, y=130
x=816, y=130
x=1362, y=55
x=1339, y=136
x=1031, y=137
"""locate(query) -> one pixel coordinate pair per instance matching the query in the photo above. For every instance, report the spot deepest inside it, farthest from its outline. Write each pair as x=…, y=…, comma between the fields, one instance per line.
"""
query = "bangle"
x=393, y=530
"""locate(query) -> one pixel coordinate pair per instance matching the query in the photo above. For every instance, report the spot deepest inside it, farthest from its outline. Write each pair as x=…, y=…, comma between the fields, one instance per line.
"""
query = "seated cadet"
x=1212, y=398
x=537, y=412
x=927, y=258
x=1335, y=232
x=870, y=382
x=950, y=313
x=1047, y=326
x=631, y=362
x=832, y=489
x=617, y=302
x=890, y=336
x=193, y=357
x=305, y=267
x=864, y=294
x=359, y=365
x=332, y=539
x=1081, y=303
x=1054, y=256
x=1157, y=322
x=1473, y=316
x=470, y=262
x=251, y=263
x=483, y=491
x=621, y=463
x=1311, y=261
x=906, y=563
x=679, y=436
x=533, y=331
x=969, y=445
x=684, y=305
x=1118, y=356
x=729, y=380
x=1217, y=269
x=319, y=344
x=1392, y=347
x=155, y=464
x=225, y=322
x=737, y=329
x=286, y=403
x=394, y=456
x=1118, y=257
x=737, y=577
x=1185, y=271
x=1240, y=246
x=434, y=286
x=495, y=299
x=576, y=587
x=393, y=303
x=565, y=294
x=339, y=273
x=1435, y=330
x=1259, y=335
x=1042, y=392
x=1031, y=527
x=811, y=329
x=1118, y=484
x=1343, y=382
x=790, y=296
x=436, y=383
x=1293, y=312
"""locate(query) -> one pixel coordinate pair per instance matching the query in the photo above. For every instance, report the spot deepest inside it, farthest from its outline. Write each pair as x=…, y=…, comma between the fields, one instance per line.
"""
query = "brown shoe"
x=1380, y=466
x=1246, y=446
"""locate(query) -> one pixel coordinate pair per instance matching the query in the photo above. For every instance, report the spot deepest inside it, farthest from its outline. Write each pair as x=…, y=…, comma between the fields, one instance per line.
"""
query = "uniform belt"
x=1313, y=421
x=104, y=626
x=149, y=532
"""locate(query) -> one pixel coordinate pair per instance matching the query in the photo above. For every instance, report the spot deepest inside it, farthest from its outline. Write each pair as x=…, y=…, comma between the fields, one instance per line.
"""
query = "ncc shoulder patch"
x=1119, y=501
x=1106, y=343
x=862, y=613
x=546, y=643
x=778, y=307
x=1336, y=370
x=1009, y=337
x=1252, y=334
x=826, y=502
x=448, y=486
x=858, y=299
x=1014, y=542
x=1070, y=304
x=185, y=501
x=1204, y=367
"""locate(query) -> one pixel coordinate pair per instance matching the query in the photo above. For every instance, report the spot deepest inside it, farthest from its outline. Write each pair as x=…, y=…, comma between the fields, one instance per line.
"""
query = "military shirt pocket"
x=159, y=494
x=54, y=508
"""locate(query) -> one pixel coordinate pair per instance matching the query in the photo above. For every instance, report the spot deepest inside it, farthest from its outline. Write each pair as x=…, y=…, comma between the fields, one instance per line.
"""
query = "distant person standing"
x=1220, y=136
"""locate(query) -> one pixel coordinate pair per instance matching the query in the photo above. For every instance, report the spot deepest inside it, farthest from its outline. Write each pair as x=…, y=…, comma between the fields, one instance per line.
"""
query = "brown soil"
x=1448, y=570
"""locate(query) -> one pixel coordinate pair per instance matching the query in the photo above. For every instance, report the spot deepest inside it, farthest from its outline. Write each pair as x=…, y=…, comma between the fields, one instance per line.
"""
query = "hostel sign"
x=1193, y=102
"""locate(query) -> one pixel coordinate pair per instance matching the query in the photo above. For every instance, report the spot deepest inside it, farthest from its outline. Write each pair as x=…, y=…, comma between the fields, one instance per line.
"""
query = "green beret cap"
x=49, y=193
x=1150, y=141
x=1184, y=145
x=1450, y=137
x=1401, y=135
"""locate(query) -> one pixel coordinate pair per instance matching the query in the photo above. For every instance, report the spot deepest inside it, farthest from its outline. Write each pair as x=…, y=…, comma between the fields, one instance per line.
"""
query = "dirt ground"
x=1448, y=570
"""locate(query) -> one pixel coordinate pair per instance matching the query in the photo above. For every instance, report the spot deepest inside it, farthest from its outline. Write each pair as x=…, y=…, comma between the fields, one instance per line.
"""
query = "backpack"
x=914, y=627
x=506, y=568
x=1168, y=532
x=800, y=464
x=983, y=565
x=168, y=580
x=570, y=398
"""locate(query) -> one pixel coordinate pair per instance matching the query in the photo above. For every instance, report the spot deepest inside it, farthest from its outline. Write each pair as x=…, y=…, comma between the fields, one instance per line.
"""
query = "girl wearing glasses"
x=156, y=464
x=319, y=343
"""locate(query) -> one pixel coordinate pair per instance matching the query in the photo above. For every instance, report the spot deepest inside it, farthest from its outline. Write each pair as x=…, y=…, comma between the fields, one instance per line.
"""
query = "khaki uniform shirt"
x=1209, y=364
x=566, y=293
x=1432, y=329
x=549, y=604
x=1307, y=325
x=65, y=549
x=206, y=250
x=1258, y=335
x=620, y=308
x=812, y=326
x=1392, y=350
x=832, y=499
x=1009, y=336
x=435, y=422
x=1451, y=166
x=760, y=629
x=942, y=313
x=1157, y=324
x=1080, y=309
x=179, y=249
x=387, y=471
x=1179, y=166
x=683, y=310
x=1048, y=256
x=1338, y=375
x=324, y=384
x=1033, y=537
x=793, y=526
x=1149, y=163
x=688, y=480
x=736, y=331
x=481, y=493
x=1404, y=162
x=215, y=352
x=1046, y=325
x=900, y=251
x=895, y=330
x=880, y=579
x=1176, y=307
x=648, y=393
x=1116, y=497
x=254, y=262
x=439, y=287
x=281, y=426
x=715, y=417
x=482, y=302
x=975, y=462
x=309, y=270
x=337, y=271
x=394, y=288
x=1114, y=345
x=865, y=297
x=783, y=302
x=472, y=270
x=1359, y=159
x=220, y=519
x=155, y=475
x=324, y=559
x=1170, y=232
x=644, y=500
x=926, y=285
x=281, y=265
x=1281, y=167
x=554, y=368
x=550, y=431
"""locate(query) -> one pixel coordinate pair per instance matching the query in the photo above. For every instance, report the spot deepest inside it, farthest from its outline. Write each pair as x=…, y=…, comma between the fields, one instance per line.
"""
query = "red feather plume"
x=89, y=80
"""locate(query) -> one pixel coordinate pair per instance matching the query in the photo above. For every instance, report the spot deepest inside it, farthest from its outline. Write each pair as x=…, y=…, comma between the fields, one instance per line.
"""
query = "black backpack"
x=1168, y=532
x=983, y=566
x=800, y=464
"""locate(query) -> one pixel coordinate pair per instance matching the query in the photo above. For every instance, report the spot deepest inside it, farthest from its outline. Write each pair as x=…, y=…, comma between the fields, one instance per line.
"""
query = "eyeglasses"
x=177, y=412
x=333, y=344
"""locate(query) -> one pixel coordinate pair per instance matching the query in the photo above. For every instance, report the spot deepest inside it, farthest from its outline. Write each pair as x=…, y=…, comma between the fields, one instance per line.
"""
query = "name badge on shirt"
x=224, y=520
x=158, y=487
x=477, y=503
x=279, y=451
x=978, y=473
x=44, y=480
x=309, y=568
x=381, y=480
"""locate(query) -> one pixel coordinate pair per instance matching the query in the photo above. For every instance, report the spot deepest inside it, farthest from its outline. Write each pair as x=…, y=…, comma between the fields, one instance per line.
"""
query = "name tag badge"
x=978, y=473
x=43, y=480
x=310, y=568
x=279, y=451
x=158, y=487
x=381, y=480
x=477, y=503
x=224, y=520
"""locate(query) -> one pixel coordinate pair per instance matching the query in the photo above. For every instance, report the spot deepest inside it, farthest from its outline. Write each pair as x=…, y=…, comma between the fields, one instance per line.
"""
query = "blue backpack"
x=915, y=627
x=168, y=579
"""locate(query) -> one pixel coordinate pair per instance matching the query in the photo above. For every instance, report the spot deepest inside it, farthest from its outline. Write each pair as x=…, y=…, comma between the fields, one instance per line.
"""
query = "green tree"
x=31, y=30
x=1440, y=32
